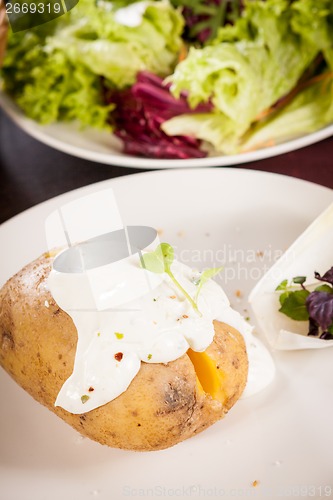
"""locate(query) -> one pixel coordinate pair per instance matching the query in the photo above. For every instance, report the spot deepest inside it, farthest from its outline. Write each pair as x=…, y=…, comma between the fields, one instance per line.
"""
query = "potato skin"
x=163, y=405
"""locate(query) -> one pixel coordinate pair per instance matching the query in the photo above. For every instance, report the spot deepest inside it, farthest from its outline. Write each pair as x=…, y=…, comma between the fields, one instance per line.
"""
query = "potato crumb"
x=260, y=253
x=51, y=253
x=159, y=231
x=238, y=294
x=255, y=483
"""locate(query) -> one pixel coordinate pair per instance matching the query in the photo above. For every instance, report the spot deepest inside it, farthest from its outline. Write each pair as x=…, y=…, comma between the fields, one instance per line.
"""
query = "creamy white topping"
x=157, y=325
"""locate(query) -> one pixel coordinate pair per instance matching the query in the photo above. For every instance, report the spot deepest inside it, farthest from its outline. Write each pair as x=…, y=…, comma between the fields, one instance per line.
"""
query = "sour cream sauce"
x=156, y=326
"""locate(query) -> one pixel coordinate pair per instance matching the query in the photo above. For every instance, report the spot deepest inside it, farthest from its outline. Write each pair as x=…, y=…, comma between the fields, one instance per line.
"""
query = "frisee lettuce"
x=57, y=71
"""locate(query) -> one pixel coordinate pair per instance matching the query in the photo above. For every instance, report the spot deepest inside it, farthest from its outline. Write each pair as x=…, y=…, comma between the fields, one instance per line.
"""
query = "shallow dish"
x=275, y=444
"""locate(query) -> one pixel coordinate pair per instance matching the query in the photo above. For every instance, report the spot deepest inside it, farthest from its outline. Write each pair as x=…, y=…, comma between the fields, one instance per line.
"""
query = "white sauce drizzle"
x=157, y=326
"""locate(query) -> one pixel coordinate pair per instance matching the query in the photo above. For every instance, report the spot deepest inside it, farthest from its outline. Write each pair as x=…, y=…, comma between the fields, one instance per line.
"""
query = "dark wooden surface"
x=31, y=172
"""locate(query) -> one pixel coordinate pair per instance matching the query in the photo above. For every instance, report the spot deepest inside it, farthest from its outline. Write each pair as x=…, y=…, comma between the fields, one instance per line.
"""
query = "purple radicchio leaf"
x=320, y=307
x=140, y=112
x=327, y=277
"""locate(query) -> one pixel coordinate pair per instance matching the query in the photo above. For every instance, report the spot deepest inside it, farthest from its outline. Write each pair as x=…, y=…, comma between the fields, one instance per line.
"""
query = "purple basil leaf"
x=320, y=307
x=328, y=276
x=326, y=336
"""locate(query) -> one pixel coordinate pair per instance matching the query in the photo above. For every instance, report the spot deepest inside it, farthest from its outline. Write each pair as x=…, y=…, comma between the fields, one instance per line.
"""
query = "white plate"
x=281, y=438
x=104, y=148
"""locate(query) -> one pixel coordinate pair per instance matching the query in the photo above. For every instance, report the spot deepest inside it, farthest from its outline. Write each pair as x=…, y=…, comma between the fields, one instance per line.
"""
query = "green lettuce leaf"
x=250, y=67
x=215, y=129
x=119, y=52
x=310, y=110
x=313, y=19
x=56, y=90
x=56, y=71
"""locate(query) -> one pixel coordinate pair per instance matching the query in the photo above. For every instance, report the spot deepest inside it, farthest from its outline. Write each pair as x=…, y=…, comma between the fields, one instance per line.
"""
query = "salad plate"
x=103, y=147
x=276, y=444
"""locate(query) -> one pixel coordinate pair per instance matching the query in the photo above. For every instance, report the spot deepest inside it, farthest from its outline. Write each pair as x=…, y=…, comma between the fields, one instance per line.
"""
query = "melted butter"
x=156, y=325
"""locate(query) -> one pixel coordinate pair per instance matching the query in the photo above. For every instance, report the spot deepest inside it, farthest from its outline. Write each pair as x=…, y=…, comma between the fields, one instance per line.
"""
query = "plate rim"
x=161, y=172
x=99, y=478
x=39, y=133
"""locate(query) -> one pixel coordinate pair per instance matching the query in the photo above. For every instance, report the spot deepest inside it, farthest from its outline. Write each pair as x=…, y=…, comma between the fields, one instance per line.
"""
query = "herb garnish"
x=84, y=398
x=160, y=261
x=315, y=306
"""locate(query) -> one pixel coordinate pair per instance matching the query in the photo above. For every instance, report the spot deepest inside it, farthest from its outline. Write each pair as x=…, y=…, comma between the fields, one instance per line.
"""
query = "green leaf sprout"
x=205, y=276
x=282, y=286
x=160, y=260
x=299, y=280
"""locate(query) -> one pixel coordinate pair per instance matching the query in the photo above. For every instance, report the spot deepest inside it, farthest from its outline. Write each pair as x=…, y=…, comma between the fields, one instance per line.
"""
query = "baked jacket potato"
x=164, y=404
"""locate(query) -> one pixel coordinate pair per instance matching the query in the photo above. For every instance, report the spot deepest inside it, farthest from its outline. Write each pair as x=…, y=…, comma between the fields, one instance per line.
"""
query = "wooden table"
x=31, y=172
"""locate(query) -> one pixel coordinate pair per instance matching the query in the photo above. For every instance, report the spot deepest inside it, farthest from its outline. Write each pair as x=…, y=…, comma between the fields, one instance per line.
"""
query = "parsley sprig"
x=316, y=307
x=160, y=260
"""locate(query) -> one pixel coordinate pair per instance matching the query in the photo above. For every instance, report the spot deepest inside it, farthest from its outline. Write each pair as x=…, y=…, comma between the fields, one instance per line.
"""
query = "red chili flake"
x=118, y=356
x=172, y=297
x=91, y=389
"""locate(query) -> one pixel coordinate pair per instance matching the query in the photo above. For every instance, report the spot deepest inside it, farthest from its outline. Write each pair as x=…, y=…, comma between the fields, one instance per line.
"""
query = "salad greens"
x=55, y=71
x=203, y=18
x=315, y=306
x=251, y=66
x=238, y=74
x=160, y=260
x=139, y=112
